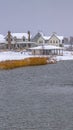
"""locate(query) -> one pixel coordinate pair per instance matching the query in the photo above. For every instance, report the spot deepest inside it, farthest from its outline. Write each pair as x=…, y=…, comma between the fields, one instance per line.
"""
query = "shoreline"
x=31, y=61
x=11, y=59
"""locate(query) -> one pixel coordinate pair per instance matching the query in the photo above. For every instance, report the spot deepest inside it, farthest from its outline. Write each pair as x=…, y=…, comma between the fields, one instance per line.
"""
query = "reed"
x=10, y=64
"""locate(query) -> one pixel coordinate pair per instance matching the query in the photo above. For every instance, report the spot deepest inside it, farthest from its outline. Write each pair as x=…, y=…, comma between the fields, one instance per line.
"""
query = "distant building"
x=54, y=39
x=25, y=40
x=38, y=38
x=71, y=43
x=66, y=40
x=18, y=40
x=71, y=40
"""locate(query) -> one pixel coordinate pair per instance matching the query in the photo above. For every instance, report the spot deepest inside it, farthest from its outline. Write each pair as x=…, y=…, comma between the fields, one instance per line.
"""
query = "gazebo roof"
x=45, y=47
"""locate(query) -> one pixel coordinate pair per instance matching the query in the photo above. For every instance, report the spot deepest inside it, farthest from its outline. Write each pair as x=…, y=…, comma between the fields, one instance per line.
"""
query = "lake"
x=37, y=98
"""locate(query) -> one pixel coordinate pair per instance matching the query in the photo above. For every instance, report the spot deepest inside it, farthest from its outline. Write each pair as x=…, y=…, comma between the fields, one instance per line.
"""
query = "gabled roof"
x=46, y=37
x=40, y=34
x=59, y=37
x=35, y=38
x=20, y=35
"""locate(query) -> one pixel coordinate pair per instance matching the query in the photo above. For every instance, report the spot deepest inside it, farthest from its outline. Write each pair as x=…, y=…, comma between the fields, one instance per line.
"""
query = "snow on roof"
x=20, y=35
x=25, y=42
x=60, y=37
x=45, y=47
x=2, y=39
x=46, y=37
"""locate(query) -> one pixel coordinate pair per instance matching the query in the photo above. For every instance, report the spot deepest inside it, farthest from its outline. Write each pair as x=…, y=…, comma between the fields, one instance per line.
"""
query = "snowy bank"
x=11, y=55
x=66, y=56
x=10, y=60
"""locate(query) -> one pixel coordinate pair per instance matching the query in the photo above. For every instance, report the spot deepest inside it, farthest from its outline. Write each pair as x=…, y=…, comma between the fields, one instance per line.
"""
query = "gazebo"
x=46, y=50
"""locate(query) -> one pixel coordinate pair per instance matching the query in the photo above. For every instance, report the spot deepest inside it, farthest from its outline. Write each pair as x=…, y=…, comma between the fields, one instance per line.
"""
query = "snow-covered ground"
x=67, y=55
x=10, y=55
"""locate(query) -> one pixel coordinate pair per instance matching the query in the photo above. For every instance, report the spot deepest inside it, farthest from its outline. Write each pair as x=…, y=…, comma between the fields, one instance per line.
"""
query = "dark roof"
x=35, y=38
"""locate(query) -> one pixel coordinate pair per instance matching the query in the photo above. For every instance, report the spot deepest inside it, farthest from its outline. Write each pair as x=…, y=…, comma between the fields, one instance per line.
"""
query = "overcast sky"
x=37, y=15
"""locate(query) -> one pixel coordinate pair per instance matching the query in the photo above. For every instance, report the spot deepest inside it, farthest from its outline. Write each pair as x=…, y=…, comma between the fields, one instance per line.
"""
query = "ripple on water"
x=37, y=98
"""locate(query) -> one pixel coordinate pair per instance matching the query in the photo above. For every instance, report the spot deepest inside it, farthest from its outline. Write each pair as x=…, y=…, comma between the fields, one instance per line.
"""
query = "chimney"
x=9, y=40
x=28, y=35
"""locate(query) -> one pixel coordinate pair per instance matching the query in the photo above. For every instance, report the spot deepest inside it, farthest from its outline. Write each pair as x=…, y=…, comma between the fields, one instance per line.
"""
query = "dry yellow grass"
x=25, y=62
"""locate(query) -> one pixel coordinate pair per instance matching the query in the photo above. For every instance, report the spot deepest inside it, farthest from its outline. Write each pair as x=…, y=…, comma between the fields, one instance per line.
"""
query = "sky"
x=45, y=16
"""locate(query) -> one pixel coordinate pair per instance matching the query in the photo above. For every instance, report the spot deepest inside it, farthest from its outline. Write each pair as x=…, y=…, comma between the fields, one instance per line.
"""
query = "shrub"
x=10, y=64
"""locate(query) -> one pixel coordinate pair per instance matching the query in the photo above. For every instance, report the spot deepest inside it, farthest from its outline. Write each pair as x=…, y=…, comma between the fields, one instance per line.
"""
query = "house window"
x=56, y=41
x=23, y=38
x=11, y=39
x=51, y=41
x=62, y=41
x=40, y=41
x=15, y=38
x=46, y=41
x=7, y=39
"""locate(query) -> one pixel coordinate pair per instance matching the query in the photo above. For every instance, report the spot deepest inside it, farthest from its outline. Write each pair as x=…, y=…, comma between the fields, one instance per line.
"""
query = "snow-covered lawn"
x=10, y=55
x=66, y=56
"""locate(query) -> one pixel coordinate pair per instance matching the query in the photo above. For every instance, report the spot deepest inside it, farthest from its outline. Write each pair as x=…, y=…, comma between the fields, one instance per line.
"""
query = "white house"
x=38, y=38
x=19, y=40
x=54, y=39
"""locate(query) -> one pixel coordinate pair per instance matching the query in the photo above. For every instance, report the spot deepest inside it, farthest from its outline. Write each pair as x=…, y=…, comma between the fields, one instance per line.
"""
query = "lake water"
x=37, y=98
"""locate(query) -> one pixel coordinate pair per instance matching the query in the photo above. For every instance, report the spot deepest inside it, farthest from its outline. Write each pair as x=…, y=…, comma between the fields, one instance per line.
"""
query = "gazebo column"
x=59, y=51
x=54, y=51
x=62, y=51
